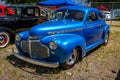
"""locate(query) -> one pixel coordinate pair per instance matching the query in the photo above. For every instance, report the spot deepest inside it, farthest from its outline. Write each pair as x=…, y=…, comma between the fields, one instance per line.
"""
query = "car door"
x=92, y=29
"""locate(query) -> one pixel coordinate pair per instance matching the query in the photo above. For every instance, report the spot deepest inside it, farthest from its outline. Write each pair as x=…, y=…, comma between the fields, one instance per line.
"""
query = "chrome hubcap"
x=1, y=39
x=4, y=39
x=71, y=60
x=106, y=38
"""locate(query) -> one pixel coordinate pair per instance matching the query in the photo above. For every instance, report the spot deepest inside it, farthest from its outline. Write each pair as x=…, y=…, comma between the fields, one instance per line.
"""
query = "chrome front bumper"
x=36, y=62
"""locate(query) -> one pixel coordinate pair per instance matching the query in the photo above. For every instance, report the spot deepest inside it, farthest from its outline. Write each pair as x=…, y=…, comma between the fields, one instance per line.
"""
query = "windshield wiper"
x=66, y=13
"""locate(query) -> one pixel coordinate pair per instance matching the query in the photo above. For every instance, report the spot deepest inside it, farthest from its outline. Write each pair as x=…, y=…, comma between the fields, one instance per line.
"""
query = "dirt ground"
x=113, y=23
x=102, y=63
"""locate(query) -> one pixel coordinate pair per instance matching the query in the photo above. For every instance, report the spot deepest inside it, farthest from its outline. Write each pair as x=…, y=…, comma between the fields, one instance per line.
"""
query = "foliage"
x=34, y=1
x=23, y=1
x=117, y=17
x=104, y=0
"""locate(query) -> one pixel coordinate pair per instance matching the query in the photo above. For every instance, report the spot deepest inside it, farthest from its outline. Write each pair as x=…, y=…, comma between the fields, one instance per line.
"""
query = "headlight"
x=52, y=45
x=17, y=37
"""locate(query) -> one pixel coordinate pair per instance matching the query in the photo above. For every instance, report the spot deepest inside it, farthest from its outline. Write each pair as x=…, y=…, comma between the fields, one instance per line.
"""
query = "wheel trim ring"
x=106, y=38
x=5, y=39
x=71, y=60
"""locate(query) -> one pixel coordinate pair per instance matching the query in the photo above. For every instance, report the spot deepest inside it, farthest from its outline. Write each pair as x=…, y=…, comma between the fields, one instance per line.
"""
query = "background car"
x=3, y=10
x=107, y=15
x=23, y=18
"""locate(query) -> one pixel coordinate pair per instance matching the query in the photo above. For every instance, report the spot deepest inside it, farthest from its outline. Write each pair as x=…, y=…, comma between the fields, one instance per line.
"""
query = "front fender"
x=65, y=43
x=24, y=35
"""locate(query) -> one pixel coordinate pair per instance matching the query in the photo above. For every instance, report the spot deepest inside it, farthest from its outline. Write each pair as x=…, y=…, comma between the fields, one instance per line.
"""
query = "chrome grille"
x=25, y=46
x=35, y=49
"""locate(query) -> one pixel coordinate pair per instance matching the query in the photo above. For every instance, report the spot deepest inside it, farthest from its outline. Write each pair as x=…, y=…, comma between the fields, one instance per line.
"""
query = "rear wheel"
x=70, y=62
x=106, y=38
x=4, y=39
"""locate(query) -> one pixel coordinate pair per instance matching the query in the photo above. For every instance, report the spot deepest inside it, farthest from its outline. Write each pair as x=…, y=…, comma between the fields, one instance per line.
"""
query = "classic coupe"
x=66, y=38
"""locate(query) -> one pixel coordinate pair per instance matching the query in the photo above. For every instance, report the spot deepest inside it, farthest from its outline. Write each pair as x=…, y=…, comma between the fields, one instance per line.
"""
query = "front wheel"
x=4, y=39
x=70, y=62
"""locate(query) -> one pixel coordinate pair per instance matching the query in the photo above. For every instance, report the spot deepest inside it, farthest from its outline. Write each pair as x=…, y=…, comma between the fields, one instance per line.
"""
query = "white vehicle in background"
x=107, y=15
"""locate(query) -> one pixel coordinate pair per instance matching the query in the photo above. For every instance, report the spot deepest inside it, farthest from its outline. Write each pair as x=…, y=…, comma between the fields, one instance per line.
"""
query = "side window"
x=37, y=12
x=24, y=12
x=43, y=12
x=59, y=15
x=100, y=16
x=30, y=12
x=18, y=11
x=92, y=17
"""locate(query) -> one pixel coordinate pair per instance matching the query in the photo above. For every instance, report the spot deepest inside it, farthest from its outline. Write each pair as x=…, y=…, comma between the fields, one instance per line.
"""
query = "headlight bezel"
x=52, y=45
x=17, y=37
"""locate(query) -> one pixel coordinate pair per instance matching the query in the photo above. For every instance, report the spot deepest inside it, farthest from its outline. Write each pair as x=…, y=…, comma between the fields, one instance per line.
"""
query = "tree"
x=23, y=1
x=105, y=0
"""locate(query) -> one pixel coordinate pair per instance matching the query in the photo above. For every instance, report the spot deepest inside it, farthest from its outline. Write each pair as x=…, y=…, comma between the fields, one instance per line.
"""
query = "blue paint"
x=67, y=34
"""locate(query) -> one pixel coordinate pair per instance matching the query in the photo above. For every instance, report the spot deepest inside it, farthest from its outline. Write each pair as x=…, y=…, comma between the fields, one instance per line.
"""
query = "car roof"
x=82, y=8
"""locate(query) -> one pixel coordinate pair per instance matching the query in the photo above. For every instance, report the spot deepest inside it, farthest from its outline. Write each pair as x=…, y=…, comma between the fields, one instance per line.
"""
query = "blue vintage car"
x=67, y=37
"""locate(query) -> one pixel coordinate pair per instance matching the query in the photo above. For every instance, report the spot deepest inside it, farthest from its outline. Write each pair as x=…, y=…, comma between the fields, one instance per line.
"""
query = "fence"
x=109, y=5
x=113, y=7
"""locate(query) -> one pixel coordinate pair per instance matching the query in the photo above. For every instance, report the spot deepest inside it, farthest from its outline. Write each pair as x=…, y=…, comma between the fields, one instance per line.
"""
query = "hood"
x=54, y=26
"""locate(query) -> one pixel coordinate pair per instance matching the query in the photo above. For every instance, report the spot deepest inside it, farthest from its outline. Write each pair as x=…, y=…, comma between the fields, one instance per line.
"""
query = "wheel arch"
x=106, y=30
x=79, y=51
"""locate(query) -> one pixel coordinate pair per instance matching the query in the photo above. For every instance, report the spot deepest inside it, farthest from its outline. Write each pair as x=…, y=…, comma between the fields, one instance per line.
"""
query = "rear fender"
x=106, y=29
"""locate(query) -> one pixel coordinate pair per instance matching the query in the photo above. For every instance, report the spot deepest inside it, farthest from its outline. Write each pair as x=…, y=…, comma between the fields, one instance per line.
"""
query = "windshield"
x=68, y=14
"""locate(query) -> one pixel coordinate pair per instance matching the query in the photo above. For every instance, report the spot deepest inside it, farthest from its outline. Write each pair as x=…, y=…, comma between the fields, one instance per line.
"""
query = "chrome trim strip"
x=64, y=31
x=90, y=27
x=94, y=26
x=30, y=52
x=71, y=30
x=40, y=63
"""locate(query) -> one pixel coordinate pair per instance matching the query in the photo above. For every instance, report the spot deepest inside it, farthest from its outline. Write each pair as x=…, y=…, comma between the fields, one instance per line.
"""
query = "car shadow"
x=118, y=75
x=93, y=50
x=39, y=70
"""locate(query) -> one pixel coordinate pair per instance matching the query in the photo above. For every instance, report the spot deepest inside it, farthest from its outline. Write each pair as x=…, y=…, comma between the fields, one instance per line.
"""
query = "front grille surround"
x=35, y=49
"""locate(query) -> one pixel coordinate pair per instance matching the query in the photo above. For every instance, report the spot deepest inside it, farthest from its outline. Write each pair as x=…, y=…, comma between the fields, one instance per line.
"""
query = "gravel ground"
x=113, y=22
x=102, y=63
